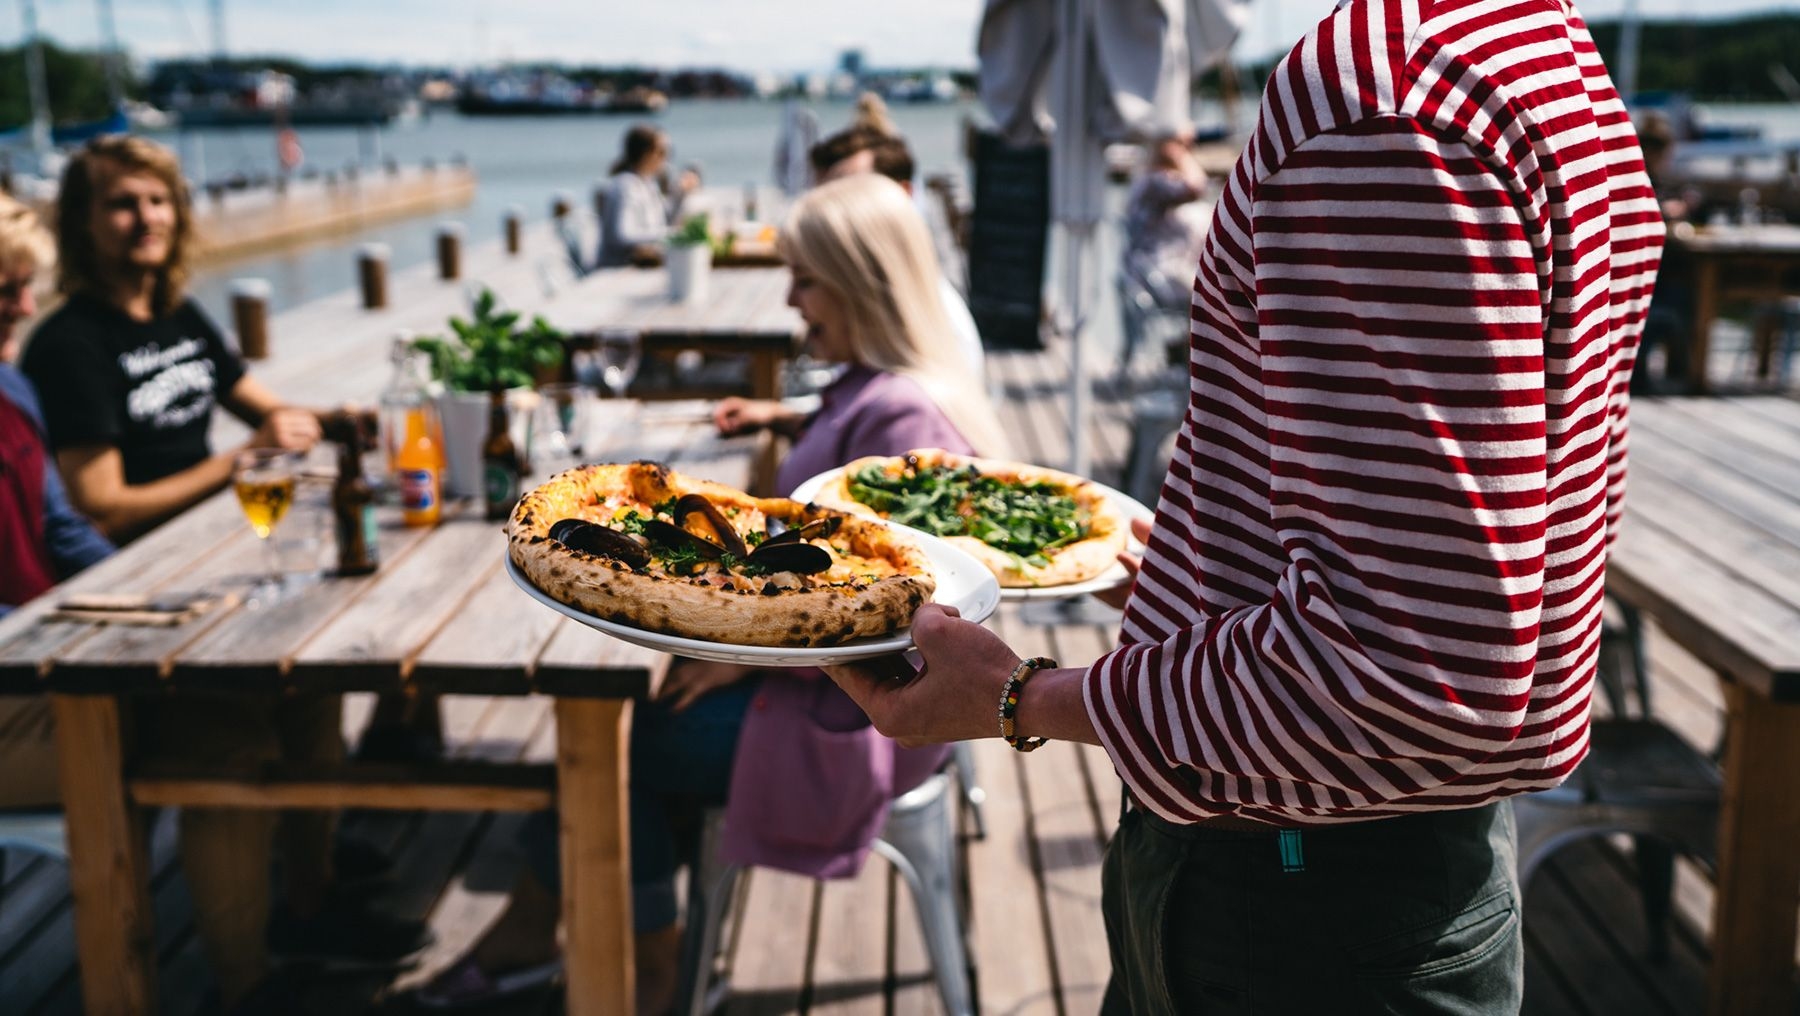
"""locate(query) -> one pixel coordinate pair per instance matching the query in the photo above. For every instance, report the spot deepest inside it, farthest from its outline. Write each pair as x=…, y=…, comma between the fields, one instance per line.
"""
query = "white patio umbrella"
x=1086, y=73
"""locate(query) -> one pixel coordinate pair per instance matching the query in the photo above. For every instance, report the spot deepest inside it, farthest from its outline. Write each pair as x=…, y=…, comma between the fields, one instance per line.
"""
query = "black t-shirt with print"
x=145, y=387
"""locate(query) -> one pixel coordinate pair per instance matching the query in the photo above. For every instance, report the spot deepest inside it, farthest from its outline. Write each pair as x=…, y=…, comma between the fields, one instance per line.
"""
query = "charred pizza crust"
x=878, y=576
x=1079, y=561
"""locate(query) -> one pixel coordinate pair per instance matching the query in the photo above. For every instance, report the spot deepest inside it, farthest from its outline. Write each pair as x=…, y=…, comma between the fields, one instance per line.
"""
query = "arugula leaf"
x=1021, y=520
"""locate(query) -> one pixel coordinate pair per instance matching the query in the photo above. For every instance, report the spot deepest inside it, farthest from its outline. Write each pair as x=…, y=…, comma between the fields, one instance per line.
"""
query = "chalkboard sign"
x=1008, y=230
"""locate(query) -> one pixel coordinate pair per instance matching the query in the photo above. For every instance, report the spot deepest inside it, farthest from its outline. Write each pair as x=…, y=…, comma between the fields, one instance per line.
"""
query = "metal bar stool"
x=919, y=839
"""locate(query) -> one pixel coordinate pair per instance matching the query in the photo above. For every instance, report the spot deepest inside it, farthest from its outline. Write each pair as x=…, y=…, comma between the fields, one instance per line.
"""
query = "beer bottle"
x=353, y=509
x=501, y=465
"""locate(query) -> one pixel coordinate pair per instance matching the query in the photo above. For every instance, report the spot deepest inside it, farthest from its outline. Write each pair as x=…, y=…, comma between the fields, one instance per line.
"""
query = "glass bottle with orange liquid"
x=419, y=467
x=412, y=439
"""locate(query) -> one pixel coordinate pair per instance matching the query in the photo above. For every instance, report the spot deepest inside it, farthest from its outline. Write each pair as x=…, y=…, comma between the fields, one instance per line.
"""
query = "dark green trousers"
x=1408, y=915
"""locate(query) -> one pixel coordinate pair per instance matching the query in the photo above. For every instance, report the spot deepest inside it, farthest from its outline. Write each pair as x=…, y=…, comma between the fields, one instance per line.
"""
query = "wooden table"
x=440, y=617
x=1747, y=262
x=1710, y=548
x=745, y=312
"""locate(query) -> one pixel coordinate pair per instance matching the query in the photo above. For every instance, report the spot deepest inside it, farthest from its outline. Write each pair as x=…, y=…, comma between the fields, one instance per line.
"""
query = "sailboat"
x=43, y=136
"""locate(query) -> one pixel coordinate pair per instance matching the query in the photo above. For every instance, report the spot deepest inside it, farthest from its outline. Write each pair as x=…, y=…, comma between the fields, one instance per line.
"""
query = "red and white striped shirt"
x=1375, y=581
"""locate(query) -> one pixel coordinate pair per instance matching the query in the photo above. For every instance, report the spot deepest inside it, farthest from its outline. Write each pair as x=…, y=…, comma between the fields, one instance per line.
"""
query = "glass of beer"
x=264, y=479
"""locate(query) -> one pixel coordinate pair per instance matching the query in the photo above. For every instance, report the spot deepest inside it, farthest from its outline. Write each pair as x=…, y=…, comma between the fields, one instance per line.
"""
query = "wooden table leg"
x=1706, y=307
x=108, y=873
x=591, y=784
x=1759, y=868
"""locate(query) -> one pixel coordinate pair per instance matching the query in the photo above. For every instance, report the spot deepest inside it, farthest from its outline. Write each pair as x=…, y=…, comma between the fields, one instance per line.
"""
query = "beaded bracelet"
x=1009, y=703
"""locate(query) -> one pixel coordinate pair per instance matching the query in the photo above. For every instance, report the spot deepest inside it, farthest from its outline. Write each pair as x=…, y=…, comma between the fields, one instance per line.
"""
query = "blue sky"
x=783, y=35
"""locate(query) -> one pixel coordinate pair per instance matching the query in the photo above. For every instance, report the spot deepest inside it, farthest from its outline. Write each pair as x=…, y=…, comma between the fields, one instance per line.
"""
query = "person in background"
x=863, y=148
x=804, y=781
x=1166, y=222
x=872, y=116
x=637, y=215
x=130, y=369
x=1669, y=326
x=42, y=539
x=1370, y=606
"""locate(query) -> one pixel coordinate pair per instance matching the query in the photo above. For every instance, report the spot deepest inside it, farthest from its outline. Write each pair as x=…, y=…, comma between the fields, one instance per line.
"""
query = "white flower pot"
x=464, y=416
x=465, y=420
x=689, y=267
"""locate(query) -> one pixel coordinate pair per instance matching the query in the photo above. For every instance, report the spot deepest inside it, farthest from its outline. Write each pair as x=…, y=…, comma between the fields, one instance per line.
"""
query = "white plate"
x=1111, y=578
x=962, y=583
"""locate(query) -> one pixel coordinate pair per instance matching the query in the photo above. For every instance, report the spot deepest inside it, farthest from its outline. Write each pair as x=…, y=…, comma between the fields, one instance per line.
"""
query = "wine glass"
x=619, y=350
x=264, y=479
x=562, y=419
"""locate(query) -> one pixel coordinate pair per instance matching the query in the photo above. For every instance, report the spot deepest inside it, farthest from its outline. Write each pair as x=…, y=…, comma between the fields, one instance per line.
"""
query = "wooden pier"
x=238, y=223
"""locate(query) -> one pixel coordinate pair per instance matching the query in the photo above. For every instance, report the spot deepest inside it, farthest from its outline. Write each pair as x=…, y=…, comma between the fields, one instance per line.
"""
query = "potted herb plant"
x=690, y=260
x=491, y=349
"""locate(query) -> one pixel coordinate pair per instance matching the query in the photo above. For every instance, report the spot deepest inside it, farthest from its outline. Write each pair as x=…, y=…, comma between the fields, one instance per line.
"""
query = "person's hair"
x=862, y=239
x=24, y=242
x=893, y=159
x=872, y=115
x=837, y=147
x=79, y=269
x=640, y=141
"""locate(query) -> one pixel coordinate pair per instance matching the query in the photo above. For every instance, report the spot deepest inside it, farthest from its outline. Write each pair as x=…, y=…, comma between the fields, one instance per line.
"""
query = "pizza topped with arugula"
x=1032, y=527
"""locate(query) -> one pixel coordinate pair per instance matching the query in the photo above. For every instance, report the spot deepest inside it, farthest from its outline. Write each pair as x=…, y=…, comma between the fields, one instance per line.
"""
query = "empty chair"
x=919, y=839
x=1640, y=777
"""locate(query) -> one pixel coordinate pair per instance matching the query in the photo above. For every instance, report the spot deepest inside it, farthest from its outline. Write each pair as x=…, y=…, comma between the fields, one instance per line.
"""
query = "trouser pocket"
x=1465, y=964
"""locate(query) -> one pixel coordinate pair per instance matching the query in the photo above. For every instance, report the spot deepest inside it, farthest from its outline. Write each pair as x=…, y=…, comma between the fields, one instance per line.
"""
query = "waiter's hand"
x=1116, y=596
x=952, y=698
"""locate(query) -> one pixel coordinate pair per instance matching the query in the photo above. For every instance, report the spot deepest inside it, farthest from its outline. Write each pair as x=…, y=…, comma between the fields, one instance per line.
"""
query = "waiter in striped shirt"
x=1369, y=610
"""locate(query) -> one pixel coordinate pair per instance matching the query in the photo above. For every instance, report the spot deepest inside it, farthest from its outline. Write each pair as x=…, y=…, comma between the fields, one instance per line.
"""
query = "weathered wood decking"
x=1035, y=937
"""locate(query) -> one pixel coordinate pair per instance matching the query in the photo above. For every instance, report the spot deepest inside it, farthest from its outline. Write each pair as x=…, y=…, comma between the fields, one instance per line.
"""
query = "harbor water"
x=523, y=161
x=526, y=161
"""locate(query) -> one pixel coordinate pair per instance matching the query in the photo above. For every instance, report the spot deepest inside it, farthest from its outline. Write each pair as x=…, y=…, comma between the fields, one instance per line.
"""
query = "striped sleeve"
x=1396, y=408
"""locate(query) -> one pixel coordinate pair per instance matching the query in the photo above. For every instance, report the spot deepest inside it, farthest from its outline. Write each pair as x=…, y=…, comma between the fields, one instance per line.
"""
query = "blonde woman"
x=42, y=539
x=865, y=282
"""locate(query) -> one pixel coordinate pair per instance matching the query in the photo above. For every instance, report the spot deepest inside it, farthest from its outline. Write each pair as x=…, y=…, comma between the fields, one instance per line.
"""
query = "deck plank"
x=849, y=969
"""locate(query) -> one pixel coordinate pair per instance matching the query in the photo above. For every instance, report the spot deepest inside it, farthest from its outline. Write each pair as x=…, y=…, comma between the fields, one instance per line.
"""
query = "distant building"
x=850, y=62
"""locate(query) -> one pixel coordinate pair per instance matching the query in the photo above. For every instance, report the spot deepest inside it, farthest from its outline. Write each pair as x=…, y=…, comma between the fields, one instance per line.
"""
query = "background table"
x=1710, y=549
x=1751, y=262
x=745, y=313
x=440, y=616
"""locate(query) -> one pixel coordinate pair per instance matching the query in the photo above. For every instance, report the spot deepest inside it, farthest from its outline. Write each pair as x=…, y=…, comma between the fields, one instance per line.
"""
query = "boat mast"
x=218, y=30
x=1629, y=28
x=109, y=58
x=35, y=82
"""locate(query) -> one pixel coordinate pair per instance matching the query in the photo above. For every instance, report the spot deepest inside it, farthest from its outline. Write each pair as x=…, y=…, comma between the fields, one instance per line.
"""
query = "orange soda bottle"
x=419, y=469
